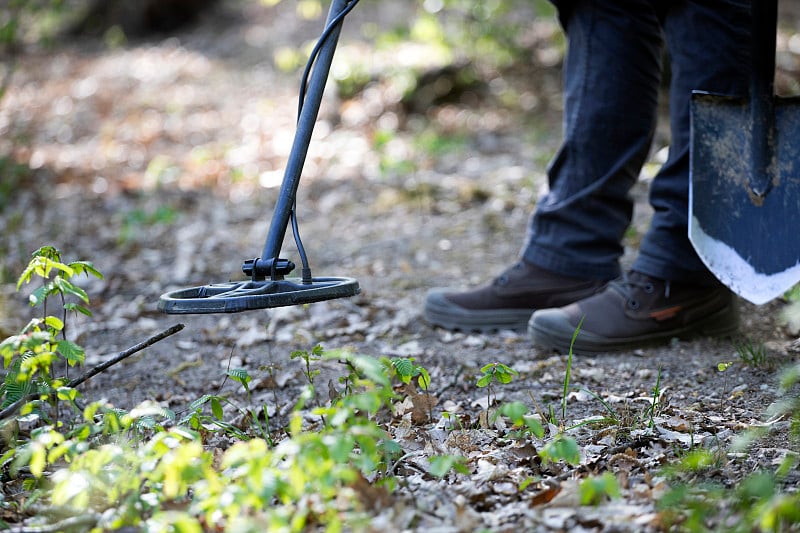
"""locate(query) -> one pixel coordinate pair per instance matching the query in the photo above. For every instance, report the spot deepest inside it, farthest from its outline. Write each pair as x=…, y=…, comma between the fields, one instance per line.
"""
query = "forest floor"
x=159, y=161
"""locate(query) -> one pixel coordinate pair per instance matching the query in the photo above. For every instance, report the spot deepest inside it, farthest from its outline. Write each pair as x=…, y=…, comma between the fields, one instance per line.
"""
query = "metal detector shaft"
x=302, y=138
x=260, y=293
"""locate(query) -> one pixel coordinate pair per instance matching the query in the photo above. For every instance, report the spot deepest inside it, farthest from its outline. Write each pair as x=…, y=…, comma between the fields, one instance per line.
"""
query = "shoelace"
x=502, y=279
x=627, y=285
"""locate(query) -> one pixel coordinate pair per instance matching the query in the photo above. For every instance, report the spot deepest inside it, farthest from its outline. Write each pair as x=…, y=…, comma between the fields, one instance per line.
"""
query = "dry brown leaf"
x=422, y=404
x=545, y=495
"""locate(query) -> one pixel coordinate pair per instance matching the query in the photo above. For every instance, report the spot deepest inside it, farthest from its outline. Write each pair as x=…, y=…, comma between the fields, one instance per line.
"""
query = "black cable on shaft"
x=306, y=269
x=315, y=51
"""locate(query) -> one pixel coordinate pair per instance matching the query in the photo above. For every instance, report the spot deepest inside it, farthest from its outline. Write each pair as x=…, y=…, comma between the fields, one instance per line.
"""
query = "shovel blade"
x=751, y=243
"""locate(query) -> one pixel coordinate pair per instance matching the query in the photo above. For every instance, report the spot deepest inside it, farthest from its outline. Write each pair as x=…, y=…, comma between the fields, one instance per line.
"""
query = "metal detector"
x=267, y=286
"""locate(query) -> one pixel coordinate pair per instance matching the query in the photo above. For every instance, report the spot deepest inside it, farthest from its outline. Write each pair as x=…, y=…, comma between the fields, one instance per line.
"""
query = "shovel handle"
x=762, y=95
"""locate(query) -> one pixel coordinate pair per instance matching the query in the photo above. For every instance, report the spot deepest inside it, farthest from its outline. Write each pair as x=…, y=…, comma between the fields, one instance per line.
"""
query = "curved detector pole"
x=267, y=286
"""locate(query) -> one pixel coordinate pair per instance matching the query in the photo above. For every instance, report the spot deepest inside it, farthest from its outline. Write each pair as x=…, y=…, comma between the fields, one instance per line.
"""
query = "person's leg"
x=669, y=292
x=709, y=45
x=611, y=76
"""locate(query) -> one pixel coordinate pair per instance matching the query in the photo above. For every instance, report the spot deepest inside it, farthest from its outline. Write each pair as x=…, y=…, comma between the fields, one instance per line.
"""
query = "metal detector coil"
x=268, y=286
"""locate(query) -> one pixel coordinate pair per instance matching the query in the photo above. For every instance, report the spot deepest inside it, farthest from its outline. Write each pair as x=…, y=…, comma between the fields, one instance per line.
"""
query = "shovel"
x=744, y=193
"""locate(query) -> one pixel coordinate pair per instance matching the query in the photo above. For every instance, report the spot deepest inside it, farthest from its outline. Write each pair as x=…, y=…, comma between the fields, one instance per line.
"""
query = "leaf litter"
x=161, y=176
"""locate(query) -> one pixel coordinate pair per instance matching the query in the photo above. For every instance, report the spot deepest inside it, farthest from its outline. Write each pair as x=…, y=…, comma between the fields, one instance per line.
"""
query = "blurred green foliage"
x=27, y=20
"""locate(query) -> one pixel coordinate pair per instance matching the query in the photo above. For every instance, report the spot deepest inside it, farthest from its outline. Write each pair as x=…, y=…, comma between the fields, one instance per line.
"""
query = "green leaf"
x=369, y=367
x=85, y=267
x=71, y=306
x=47, y=252
x=200, y=402
x=241, y=376
x=39, y=295
x=70, y=351
x=67, y=394
x=697, y=459
x=150, y=408
x=216, y=408
x=67, y=287
x=54, y=322
x=404, y=368
x=562, y=448
x=483, y=381
x=442, y=464
x=515, y=411
x=424, y=379
x=504, y=377
x=14, y=390
x=340, y=446
x=596, y=489
x=38, y=460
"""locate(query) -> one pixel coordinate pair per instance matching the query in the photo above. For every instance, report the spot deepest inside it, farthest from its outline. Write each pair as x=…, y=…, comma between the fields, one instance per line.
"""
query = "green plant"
x=655, y=403
x=494, y=373
x=568, y=373
x=752, y=354
x=440, y=465
x=165, y=478
x=523, y=422
x=313, y=356
x=760, y=501
x=594, y=490
x=756, y=503
x=309, y=357
x=405, y=369
x=561, y=448
x=612, y=418
x=30, y=358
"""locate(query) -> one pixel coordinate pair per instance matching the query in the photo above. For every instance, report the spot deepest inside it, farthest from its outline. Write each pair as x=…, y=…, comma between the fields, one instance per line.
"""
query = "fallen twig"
x=5, y=413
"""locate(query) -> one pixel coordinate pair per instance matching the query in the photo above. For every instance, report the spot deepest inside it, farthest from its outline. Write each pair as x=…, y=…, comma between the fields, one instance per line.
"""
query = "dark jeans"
x=612, y=75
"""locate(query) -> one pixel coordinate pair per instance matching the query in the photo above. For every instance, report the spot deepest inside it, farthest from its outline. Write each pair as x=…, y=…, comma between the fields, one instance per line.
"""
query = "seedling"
x=561, y=448
x=752, y=354
x=595, y=490
x=568, y=373
x=30, y=356
x=308, y=358
x=655, y=404
x=521, y=418
x=494, y=373
x=440, y=465
x=405, y=369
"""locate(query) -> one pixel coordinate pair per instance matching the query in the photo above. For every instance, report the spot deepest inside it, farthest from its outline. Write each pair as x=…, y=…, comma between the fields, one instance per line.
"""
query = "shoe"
x=507, y=302
x=635, y=311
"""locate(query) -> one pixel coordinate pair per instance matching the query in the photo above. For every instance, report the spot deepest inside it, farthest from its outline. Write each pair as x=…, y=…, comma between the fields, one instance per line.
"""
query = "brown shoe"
x=633, y=311
x=508, y=301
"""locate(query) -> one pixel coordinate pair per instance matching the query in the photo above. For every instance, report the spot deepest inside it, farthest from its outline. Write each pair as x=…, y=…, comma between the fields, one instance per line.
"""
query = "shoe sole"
x=441, y=312
x=723, y=323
